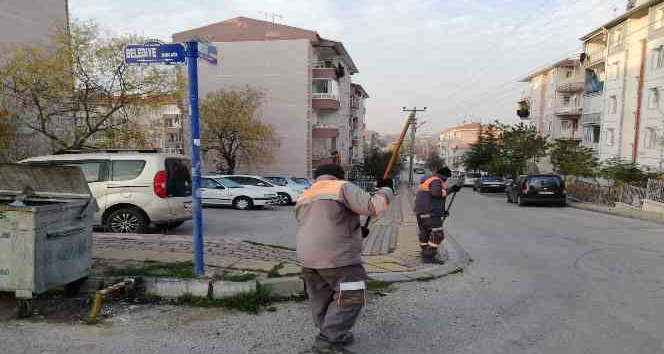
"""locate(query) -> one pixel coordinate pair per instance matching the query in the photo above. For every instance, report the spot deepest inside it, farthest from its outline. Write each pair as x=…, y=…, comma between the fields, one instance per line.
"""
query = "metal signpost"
x=155, y=52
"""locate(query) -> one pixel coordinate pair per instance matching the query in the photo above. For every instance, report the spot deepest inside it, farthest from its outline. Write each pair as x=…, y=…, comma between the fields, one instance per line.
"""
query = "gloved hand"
x=365, y=232
x=386, y=182
x=455, y=188
x=445, y=214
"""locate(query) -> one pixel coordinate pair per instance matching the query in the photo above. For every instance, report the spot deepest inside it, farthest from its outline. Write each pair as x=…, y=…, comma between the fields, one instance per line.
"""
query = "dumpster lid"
x=47, y=181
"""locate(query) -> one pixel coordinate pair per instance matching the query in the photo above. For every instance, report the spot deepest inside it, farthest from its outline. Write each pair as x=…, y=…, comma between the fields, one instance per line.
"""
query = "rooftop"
x=244, y=29
x=637, y=10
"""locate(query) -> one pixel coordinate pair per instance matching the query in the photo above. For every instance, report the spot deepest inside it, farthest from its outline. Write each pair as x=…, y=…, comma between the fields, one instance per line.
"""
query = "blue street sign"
x=207, y=52
x=154, y=53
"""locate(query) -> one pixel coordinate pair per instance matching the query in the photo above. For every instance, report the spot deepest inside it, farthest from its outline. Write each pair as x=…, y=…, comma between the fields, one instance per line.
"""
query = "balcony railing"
x=325, y=96
x=570, y=134
x=569, y=87
x=568, y=111
x=591, y=119
x=594, y=58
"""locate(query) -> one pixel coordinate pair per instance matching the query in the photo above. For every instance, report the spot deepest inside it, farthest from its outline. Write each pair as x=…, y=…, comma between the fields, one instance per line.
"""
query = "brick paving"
x=392, y=247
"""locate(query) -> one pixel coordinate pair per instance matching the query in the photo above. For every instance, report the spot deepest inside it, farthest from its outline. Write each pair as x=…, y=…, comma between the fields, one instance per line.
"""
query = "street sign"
x=207, y=52
x=154, y=53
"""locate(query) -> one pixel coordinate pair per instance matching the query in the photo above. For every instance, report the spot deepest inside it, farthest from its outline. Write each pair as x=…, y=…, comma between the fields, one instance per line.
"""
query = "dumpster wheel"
x=24, y=308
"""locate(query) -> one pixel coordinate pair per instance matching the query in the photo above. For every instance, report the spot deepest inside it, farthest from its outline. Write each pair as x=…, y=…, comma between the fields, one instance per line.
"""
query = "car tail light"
x=160, y=184
x=525, y=189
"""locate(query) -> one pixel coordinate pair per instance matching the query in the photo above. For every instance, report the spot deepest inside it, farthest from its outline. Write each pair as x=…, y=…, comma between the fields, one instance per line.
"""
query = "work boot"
x=336, y=349
x=347, y=339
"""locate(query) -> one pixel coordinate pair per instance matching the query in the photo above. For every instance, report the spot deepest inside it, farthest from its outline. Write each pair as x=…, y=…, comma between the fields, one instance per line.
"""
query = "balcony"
x=570, y=134
x=594, y=58
x=324, y=133
x=570, y=87
x=324, y=73
x=326, y=101
x=568, y=111
x=591, y=119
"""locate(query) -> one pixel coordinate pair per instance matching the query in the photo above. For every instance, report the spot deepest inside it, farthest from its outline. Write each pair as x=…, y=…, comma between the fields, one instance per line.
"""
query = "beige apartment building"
x=455, y=142
x=155, y=123
x=555, y=99
x=310, y=98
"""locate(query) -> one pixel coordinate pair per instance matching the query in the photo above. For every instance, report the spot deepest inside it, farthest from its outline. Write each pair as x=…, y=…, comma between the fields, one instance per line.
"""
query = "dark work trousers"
x=425, y=223
x=333, y=320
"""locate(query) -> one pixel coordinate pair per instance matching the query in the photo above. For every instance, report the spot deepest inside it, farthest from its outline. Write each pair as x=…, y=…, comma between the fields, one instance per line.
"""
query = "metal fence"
x=656, y=190
x=610, y=194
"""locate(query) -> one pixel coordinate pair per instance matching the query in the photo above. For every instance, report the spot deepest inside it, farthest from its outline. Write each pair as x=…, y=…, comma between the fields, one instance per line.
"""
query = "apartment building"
x=455, y=142
x=155, y=122
x=626, y=58
x=309, y=97
x=554, y=99
x=358, y=123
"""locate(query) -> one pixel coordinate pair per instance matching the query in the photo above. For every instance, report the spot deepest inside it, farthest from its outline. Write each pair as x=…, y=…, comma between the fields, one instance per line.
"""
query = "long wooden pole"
x=391, y=164
x=395, y=153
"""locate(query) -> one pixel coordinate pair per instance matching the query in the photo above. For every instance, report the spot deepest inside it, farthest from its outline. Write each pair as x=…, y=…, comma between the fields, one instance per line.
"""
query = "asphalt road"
x=271, y=225
x=544, y=280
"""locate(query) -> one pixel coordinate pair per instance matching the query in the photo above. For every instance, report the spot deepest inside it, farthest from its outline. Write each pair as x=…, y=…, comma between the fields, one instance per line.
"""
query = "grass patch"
x=269, y=245
x=274, y=271
x=373, y=285
x=156, y=269
x=250, y=302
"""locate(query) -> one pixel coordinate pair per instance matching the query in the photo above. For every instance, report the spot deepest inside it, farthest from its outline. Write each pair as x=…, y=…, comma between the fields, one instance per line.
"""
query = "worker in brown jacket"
x=329, y=248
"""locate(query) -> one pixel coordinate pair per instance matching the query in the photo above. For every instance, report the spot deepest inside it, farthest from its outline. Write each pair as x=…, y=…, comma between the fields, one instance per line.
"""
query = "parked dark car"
x=489, y=184
x=537, y=189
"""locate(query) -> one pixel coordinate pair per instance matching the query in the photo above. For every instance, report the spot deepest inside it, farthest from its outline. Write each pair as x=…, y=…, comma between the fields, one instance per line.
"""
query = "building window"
x=566, y=101
x=564, y=125
x=613, y=104
x=549, y=127
x=610, y=137
x=614, y=71
x=596, y=133
x=649, y=138
x=569, y=73
x=618, y=37
x=658, y=58
x=322, y=86
x=653, y=98
x=659, y=18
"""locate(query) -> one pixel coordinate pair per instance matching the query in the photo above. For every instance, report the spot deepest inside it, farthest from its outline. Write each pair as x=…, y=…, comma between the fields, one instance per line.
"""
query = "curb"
x=171, y=288
x=458, y=260
x=608, y=211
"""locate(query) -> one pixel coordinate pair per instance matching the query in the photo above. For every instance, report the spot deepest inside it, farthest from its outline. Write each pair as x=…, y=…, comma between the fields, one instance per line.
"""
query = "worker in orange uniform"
x=429, y=210
x=329, y=248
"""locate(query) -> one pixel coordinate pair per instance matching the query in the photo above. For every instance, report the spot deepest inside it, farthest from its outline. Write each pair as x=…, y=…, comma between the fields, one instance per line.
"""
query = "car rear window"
x=178, y=177
x=544, y=181
x=127, y=170
x=280, y=181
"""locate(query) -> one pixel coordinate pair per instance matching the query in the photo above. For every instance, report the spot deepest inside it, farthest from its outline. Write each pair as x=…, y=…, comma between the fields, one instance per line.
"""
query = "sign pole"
x=195, y=141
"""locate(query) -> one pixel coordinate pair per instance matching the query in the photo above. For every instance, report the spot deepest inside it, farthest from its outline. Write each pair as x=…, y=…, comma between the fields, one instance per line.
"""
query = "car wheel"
x=243, y=203
x=520, y=201
x=127, y=220
x=284, y=199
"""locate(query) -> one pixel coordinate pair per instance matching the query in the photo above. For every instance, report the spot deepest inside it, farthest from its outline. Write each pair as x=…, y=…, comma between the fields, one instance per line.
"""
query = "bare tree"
x=78, y=88
x=232, y=129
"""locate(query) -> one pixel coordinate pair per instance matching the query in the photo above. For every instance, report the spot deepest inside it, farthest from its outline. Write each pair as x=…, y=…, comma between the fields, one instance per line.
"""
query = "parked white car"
x=133, y=189
x=286, y=194
x=219, y=190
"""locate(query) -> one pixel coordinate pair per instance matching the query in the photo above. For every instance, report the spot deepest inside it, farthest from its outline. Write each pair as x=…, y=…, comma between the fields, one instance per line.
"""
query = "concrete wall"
x=281, y=69
x=30, y=21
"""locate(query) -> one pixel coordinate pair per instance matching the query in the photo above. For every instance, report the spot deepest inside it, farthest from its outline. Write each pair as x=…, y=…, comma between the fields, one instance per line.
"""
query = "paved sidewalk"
x=617, y=211
x=391, y=248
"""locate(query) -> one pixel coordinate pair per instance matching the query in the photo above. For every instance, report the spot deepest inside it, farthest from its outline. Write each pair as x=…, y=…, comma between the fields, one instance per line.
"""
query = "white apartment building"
x=626, y=55
x=309, y=96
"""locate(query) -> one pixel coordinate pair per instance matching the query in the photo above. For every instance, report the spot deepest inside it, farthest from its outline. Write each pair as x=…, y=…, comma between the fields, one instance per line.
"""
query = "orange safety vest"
x=426, y=185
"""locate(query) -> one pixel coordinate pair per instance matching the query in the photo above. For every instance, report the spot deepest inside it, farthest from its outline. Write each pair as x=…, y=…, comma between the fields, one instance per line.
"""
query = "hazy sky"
x=460, y=58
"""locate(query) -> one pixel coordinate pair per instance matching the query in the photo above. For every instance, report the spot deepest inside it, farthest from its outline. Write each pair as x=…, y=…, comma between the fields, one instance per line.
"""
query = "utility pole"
x=413, y=127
